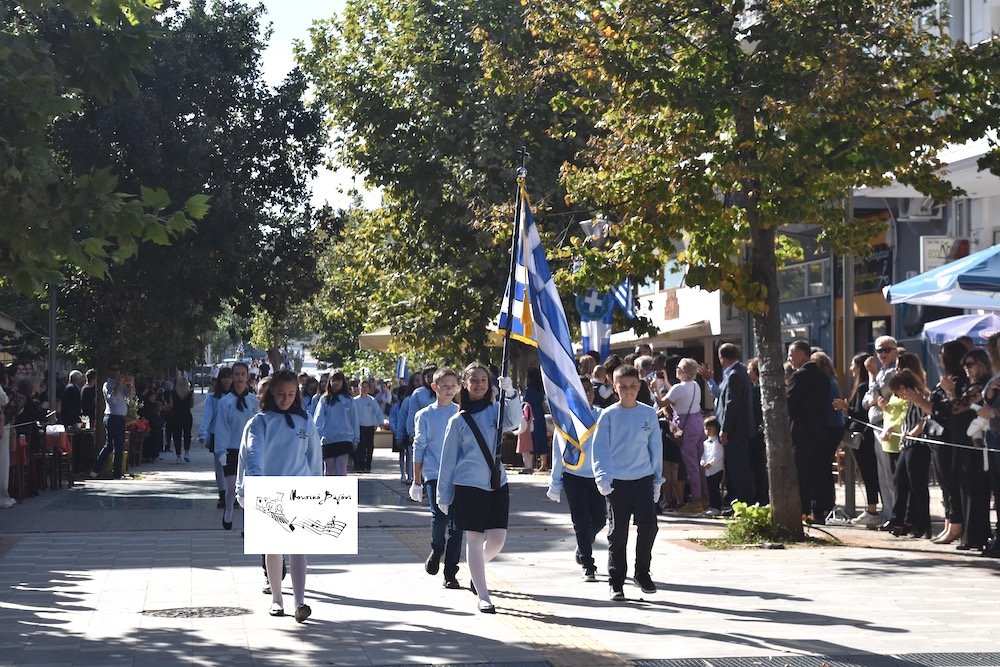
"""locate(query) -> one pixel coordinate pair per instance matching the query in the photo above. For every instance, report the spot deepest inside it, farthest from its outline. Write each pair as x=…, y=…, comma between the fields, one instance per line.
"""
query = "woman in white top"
x=685, y=400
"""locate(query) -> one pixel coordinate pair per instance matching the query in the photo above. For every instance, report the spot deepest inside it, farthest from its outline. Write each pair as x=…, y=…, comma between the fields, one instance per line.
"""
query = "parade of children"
x=614, y=477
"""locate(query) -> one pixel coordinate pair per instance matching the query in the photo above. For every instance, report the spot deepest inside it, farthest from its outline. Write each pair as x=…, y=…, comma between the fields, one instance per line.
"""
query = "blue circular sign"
x=593, y=305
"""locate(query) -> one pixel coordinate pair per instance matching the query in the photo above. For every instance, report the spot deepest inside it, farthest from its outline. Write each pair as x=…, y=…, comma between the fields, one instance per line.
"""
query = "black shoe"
x=917, y=534
x=302, y=612
x=451, y=583
x=992, y=551
x=433, y=563
x=590, y=575
x=969, y=547
x=645, y=583
x=228, y=525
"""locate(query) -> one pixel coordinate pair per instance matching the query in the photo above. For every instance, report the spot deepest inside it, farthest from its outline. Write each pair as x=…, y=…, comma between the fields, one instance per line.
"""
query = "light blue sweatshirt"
x=430, y=427
x=271, y=447
x=309, y=403
x=337, y=422
x=419, y=399
x=368, y=411
x=462, y=461
x=206, y=426
x=627, y=445
x=394, y=412
x=558, y=446
x=230, y=420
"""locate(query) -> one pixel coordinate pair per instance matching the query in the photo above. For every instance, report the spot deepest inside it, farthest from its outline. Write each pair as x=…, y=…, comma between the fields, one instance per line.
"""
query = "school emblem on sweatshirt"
x=306, y=515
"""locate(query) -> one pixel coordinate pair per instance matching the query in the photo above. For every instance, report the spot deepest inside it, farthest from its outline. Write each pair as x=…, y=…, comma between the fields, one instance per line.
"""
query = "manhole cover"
x=197, y=612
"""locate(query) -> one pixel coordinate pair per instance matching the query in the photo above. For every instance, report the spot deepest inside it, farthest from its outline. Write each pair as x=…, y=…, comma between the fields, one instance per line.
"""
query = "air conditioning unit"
x=920, y=210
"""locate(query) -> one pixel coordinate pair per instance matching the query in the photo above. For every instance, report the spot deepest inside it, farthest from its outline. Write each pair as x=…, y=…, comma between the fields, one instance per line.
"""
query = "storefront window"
x=791, y=282
x=805, y=280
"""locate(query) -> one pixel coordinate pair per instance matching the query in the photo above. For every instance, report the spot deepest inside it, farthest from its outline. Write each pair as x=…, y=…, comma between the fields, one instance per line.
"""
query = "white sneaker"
x=713, y=512
x=7, y=503
x=866, y=518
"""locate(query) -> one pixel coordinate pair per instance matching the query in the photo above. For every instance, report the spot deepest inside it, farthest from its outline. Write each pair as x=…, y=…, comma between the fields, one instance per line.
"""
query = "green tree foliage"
x=421, y=107
x=722, y=121
x=54, y=59
x=202, y=120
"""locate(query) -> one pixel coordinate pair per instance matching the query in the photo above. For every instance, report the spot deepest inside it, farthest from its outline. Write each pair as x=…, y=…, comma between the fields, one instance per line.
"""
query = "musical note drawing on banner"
x=272, y=507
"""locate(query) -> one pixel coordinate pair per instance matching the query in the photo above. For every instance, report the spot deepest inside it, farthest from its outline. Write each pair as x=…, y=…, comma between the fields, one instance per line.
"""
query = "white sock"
x=272, y=563
x=495, y=538
x=297, y=564
x=476, y=563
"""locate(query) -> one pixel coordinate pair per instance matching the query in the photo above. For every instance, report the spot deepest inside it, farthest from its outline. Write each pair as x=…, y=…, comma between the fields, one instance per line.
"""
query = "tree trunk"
x=786, y=507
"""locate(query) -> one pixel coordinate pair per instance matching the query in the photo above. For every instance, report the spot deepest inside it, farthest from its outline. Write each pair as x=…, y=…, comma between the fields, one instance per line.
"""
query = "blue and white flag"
x=623, y=297
x=402, y=372
x=539, y=317
x=520, y=324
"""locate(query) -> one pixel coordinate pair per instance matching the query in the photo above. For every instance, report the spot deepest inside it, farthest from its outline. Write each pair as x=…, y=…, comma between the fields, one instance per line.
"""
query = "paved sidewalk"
x=140, y=572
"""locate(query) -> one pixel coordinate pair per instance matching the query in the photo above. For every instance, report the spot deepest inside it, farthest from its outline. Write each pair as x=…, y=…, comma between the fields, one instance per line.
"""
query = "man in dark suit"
x=808, y=408
x=734, y=411
x=71, y=407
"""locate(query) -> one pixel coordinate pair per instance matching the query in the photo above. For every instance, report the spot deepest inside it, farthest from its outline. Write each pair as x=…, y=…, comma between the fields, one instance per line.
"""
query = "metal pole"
x=847, y=304
x=53, y=293
x=522, y=174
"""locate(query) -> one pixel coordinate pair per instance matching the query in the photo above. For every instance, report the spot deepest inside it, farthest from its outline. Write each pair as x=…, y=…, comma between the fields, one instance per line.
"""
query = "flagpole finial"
x=522, y=172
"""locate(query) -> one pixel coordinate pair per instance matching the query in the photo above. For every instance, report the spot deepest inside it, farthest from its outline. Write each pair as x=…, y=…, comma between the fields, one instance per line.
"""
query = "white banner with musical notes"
x=300, y=515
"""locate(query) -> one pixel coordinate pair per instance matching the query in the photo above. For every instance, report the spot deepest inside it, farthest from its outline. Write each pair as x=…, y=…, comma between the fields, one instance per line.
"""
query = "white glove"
x=416, y=492
x=978, y=427
x=506, y=385
x=444, y=508
x=553, y=494
x=604, y=486
x=656, y=494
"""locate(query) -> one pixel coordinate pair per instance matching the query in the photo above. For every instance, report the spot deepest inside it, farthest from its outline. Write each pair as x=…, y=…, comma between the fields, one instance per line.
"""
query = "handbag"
x=492, y=460
x=675, y=429
x=851, y=439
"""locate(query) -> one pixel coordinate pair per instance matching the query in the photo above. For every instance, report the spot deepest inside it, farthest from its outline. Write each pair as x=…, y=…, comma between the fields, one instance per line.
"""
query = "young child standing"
x=281, y=440
x=713, y=461
x=628, y=469
x=429, y=428
x=587, y=507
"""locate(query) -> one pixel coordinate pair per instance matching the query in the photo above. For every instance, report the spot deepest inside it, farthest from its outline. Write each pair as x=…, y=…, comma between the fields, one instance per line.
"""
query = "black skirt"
x=477, y=510
x=334, y=449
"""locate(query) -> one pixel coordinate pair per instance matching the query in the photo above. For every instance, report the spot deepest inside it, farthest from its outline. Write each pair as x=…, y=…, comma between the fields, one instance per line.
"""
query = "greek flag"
x=520, y=323
x=402, y=372
x=539, y=317
x=623, y=297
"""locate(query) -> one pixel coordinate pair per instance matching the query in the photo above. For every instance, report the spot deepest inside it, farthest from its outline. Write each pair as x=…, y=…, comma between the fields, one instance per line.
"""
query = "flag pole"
x=522, y=174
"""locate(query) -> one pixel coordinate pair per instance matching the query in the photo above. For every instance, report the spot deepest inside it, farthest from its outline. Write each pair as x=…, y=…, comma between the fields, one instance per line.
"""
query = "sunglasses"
x=885, y=350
